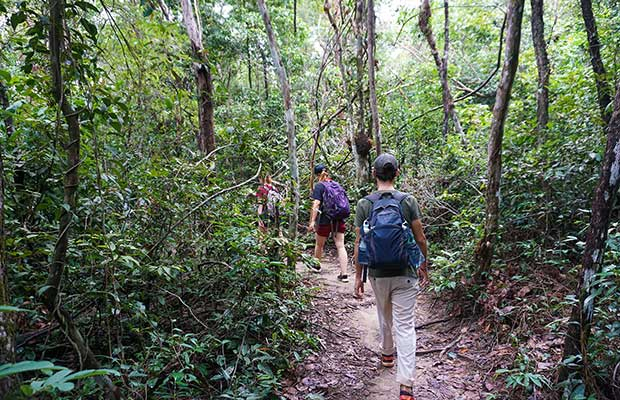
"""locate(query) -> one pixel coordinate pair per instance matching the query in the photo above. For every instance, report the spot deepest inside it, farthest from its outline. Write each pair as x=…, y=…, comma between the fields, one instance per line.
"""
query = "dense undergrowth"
x=214, y=310
x=547, y=190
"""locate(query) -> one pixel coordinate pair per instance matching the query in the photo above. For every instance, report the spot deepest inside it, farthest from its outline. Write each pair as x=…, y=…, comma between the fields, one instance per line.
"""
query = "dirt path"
x=452, y=360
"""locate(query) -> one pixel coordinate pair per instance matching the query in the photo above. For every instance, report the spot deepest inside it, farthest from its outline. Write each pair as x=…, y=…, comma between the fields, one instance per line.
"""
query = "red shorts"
x=325, y=229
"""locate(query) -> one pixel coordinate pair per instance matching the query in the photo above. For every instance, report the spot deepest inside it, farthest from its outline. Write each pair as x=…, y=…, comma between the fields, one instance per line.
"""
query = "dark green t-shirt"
x=411, y=212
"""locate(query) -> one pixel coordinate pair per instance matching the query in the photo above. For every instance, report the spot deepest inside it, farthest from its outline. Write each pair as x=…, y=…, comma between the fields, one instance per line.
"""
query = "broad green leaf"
x=24, y=366
x=87, y=373
x=90, y=27
x=17, y=19
x=13, y=309
x=84, y=5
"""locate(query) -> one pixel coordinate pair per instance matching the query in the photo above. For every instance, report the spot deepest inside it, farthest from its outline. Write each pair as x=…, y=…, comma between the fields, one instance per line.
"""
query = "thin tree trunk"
x=603, y=88
x=289, y=115
x=265, y=73
x=204, y=80
x=542, y=62
x=165, y=11
x=363, y=143
x=4, y=102
x=7, y=324
x=249, y=61
x=347, y=94
x=51, y=297
x=580, y=324
x=441, y=64
x=295, y=17
x=372, y=65
x=500, y=111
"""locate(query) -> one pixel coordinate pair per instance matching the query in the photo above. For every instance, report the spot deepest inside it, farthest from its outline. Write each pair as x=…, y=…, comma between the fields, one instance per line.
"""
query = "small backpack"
x=335, y=201
x=274, y=198
x=387, y=240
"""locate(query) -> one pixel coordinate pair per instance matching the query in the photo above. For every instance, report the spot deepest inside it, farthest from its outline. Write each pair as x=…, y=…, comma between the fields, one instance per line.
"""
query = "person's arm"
x=420, y=238
x=359, y=285
x=314, y=212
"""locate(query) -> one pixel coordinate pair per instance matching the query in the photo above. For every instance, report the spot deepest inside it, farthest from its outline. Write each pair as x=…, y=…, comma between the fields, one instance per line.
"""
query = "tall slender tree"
x=580, y=324
x=603, y=88
x=263, y=58
x=204, y=79
x=363, y=142
x=289, y=115
x=542, y=63
x=58, y=48
x=484, y=251
x=449, y=110
x=372, y=66
x=7, y=325
x=338, y=49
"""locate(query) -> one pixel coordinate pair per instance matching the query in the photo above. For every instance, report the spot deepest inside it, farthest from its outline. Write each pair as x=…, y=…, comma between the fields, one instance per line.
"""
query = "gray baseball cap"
x=385, y=162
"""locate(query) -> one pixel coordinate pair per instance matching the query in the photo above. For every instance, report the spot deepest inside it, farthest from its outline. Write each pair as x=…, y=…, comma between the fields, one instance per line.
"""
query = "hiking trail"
x=453, y=359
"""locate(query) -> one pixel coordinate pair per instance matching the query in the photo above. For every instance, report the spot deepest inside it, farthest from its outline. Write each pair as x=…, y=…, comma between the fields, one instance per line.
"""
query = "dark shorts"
x=325, y=229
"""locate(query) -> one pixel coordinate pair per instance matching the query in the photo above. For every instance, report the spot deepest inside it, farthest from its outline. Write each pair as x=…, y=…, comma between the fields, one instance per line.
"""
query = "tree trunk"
x=602, y=85
x=4, y=102
x=360, y=178
x=7, y=325
x=580, y=323
x=249, y=60
x=372, y=65
x=50, y=297
x=295, y=17
x=289, y=115
x=441, y=63
x=500, y=110
x=542, y=62
x=362, y=139
x=165, y=11
x=265, y=73
x=204, y=80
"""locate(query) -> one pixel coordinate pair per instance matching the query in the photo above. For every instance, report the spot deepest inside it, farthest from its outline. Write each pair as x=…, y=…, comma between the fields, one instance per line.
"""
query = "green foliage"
x=522, y=377
x=214, y=309
x=60, y=379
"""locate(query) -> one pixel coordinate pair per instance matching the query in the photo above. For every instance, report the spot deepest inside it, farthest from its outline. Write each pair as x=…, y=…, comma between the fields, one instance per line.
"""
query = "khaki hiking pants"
x=396, y=297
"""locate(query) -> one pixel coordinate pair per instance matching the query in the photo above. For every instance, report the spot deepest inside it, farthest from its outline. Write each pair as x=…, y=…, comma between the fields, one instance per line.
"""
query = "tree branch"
x=197, y=207
x=475, y=91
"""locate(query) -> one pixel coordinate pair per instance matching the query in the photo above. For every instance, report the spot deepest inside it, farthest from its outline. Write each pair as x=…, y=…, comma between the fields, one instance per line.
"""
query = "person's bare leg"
x=319, y=245
x=343, y=260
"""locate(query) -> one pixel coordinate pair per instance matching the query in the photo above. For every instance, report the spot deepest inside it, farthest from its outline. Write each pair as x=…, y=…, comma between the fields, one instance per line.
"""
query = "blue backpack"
x=335, y=201
x=387, y=242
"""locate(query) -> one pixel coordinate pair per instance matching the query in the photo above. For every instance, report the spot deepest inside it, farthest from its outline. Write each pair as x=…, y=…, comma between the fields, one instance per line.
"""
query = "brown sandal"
x=387, y=360
x=406, y=394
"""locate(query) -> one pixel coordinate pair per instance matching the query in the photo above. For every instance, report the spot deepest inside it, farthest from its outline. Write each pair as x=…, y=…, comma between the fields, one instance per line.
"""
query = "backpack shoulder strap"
x=399, y=196
x=374, y=197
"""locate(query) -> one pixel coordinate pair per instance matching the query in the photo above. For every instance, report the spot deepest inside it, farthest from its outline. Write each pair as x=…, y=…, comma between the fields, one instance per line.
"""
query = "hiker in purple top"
x=330, y=207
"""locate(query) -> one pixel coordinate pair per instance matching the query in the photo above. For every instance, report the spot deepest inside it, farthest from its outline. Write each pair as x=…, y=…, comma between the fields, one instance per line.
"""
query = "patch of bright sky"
x=388, y=11
x=223, y=8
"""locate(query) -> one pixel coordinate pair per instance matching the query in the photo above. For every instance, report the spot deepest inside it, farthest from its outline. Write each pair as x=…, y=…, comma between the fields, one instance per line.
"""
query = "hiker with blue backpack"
x=390, y=247
x=330, y=207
